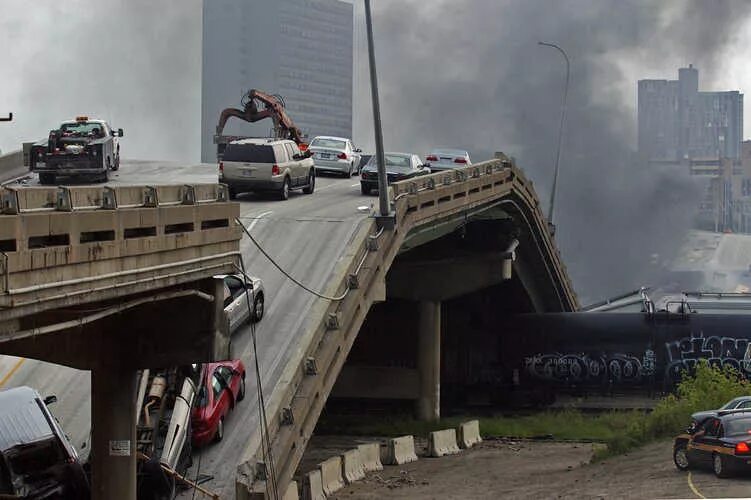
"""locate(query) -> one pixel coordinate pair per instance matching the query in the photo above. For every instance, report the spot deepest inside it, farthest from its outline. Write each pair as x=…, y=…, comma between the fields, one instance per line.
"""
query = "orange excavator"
x=258, y=105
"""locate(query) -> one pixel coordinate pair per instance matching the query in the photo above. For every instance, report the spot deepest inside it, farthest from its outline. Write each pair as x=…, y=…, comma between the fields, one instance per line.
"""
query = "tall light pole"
x=560, y=132
x=383, y=185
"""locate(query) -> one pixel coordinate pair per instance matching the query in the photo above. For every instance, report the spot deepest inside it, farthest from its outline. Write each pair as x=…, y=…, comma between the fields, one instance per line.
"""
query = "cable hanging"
x=285, y=273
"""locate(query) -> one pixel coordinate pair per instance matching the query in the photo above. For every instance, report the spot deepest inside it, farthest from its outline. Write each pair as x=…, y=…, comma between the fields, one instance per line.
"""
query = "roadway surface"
x=306, y=235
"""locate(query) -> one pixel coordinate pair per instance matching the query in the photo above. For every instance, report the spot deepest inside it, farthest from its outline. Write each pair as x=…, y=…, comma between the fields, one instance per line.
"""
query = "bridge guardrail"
x=63, y=246
x=309, y=376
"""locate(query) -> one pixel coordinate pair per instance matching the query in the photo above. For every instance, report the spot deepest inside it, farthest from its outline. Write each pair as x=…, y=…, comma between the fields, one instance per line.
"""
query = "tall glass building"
x=299, y=49
x=679, y=123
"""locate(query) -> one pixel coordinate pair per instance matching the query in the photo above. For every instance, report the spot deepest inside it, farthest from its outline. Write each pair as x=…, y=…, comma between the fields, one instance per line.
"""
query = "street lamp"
x=560, y=132
x=383, y=199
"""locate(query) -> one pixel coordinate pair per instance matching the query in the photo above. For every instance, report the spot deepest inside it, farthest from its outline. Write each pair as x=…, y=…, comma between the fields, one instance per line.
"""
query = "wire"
x=268, y=456
x=281, y=270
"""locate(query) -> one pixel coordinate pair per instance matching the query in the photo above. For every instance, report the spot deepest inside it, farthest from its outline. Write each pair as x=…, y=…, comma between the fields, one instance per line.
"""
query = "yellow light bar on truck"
x=82, y=118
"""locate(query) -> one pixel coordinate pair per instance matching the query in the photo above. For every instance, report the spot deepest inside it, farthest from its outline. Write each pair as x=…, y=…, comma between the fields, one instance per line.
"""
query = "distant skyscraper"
x=300, y=49
x=678, y=123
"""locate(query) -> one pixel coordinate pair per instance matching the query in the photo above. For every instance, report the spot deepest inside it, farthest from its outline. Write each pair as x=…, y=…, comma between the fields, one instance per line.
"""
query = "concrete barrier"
x=370, y=454
x=442, y=443
x=11, y=165
x=401, y=450
x=469, y=434
x=352, y=467
x=312, y=487
x=331, y=475
x=291, y=493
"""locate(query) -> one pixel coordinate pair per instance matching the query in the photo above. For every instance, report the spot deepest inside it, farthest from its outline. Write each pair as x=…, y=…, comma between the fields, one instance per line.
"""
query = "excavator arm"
x=258, y=105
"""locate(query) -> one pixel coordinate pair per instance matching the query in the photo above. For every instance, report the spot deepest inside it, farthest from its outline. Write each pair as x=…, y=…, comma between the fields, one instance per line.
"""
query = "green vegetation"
x=708, y=388
x=565, y=425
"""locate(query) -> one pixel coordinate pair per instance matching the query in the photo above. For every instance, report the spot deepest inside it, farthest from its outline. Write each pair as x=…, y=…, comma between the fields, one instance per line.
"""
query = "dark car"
x=721, y=442
x=733, y=404
x=36, y=459
x=399, y=166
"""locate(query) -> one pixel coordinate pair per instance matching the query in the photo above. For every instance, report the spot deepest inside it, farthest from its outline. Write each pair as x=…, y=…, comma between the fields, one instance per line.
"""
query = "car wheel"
x=241, y=392
x=364, y=189
x=680, y=457
x=219, y=430
x=116, y=166
x=720, y=466
x=46, y=179
x=105, y=177
x=257, y=309
x=311, y=183
x=352, y=169
x=284, y=192
x=232, y=193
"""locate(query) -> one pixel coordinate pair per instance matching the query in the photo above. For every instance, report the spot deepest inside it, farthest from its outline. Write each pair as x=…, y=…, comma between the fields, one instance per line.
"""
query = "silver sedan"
x=236, y=303
x=335, y=154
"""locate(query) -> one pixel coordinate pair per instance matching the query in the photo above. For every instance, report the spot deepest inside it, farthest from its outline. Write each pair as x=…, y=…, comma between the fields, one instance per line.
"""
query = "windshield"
x=35, y=457
x=393, y=162
x=319, y=142
x=81, y=128
x=249, y=153
x=738, y=427
x=449, y=153
x=730, y=404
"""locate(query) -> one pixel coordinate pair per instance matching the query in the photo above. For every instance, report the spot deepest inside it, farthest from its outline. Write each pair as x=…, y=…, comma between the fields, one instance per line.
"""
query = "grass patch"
x=564, y=425
x=707, y=388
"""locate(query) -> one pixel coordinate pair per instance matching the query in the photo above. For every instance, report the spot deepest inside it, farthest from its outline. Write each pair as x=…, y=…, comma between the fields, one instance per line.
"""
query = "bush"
x=707, y=388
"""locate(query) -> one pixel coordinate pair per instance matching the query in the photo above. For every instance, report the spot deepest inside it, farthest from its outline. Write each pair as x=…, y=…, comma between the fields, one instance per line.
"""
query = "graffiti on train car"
x=594, y=369
x=684, y=353
x=680, y=355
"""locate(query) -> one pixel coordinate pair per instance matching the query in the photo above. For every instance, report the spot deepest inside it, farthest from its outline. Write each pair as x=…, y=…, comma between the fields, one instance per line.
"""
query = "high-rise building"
x=299, y=49
x=679, y=123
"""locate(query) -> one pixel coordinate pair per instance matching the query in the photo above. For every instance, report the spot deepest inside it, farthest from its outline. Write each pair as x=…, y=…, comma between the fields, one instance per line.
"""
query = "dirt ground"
x=530, y=469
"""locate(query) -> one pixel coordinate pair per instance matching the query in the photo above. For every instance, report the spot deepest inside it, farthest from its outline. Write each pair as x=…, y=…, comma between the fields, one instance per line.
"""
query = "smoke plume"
x=472, y=75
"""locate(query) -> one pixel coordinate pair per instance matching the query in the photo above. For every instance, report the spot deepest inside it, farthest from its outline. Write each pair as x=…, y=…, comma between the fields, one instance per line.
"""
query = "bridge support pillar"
x=113, y=451
x=429, y=360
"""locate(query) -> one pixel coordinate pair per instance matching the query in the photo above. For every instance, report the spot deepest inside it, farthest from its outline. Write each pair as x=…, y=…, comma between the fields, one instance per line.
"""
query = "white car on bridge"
x=239, y=308
x=335, y=154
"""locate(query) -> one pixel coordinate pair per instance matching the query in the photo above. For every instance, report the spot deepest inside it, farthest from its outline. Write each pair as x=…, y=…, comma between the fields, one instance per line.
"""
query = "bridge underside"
x=164, y=328
x=437, y=294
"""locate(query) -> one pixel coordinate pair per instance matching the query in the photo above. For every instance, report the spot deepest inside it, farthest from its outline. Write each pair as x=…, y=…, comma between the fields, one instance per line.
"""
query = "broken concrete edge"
x=244, y=480
x=401, y=450
x=331, y=475
x=468, y=434
x=442, y=443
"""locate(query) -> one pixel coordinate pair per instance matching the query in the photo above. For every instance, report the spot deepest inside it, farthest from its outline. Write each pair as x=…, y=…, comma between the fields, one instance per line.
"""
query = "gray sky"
x=136, y=63
x=452, y=73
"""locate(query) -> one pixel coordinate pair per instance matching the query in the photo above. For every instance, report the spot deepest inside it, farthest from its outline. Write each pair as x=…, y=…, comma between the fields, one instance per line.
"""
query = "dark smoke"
x=471, y=75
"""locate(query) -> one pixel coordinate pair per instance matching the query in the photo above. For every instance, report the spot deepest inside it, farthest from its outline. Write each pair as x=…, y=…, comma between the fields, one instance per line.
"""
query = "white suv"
x=275, y=165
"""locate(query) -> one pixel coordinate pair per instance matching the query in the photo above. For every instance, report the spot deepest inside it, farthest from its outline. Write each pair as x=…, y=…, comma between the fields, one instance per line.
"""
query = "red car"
x=222, y=385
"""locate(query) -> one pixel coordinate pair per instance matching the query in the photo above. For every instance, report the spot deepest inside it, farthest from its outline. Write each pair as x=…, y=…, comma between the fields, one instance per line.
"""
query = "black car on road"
x=399, y=166
x=721, y=442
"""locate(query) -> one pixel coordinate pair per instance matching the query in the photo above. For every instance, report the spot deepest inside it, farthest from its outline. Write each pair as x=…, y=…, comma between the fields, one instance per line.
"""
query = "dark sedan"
x=399, y=166
x=722, y=443
x=733, y=404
